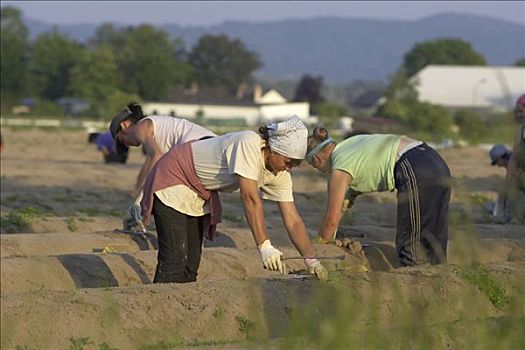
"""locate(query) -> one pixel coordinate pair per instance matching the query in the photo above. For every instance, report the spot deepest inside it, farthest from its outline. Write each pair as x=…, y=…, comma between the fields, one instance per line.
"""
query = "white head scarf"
x=289, y=137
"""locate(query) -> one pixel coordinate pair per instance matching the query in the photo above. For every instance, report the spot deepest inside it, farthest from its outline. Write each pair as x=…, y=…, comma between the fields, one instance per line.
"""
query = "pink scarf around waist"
x=176, y=167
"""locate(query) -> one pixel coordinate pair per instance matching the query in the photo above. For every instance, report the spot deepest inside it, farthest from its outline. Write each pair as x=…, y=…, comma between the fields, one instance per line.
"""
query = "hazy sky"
x=214, y=12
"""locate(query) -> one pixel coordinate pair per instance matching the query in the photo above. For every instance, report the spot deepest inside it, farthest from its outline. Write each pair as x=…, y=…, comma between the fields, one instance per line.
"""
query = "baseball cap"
x=114, y=128
x=496, y=152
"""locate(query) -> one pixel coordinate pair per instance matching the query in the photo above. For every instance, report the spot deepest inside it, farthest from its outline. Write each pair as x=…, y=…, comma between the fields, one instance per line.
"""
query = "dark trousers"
x=113, y=157
x=180, y=244
x=423, y=193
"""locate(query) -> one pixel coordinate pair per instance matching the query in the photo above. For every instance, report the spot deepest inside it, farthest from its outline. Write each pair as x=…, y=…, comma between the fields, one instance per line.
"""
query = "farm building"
x=211, y=104
x=473, y=87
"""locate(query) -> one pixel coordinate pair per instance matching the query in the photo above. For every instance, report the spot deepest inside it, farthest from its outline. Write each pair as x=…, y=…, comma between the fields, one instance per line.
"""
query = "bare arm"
x=296, y=229
x=337, y=184
x=153, y=153
x=253, y=209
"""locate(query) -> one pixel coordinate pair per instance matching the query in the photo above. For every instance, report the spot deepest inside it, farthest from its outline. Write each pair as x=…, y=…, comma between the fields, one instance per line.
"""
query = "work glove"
x=134, y=218
x=134, y=213
x=271, y=257
x=316, y=268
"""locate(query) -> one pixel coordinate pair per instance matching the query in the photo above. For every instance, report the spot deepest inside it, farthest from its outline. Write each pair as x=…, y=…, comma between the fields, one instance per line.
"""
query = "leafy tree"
x=13, y=52
x=148, y=63
x=520, y=62
x=430, y=118
x=53, y=55
x=400, y=88
x=402, y=104
x=95, y=78
x=394, y=109
x=401, y=96
x=12, y=22
x=107, y=34
x=471, y=126
x=220, y=61
x=309, y=89
x=328, y=112
x=441, y=51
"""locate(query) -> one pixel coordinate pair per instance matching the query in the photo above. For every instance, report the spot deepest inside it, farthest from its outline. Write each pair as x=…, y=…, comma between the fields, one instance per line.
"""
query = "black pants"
x=180, y=244
x=113, y=157
x=423, y=183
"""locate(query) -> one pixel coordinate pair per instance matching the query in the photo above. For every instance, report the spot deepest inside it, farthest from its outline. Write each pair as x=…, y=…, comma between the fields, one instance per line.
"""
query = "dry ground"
x=65, y=275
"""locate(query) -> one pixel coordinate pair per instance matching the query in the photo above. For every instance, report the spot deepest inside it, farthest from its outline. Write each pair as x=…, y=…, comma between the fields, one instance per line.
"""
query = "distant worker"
x=157, y=134
x=499, y=156
x=106, y=145
x=515, y=179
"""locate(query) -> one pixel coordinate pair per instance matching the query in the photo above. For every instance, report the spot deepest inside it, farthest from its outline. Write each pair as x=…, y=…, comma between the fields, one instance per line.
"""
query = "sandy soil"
x=67, y=274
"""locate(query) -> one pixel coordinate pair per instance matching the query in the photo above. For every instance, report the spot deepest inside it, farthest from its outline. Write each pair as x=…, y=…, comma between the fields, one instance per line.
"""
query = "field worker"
x=499, y=156
x=182, y=194
x=515, y=179
x=106, y=145
x=157, y=134
x=374, y=163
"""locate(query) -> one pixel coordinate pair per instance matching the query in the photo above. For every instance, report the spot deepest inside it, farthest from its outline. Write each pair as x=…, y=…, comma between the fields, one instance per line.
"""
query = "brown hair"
x=263, y=132
x=319, y=134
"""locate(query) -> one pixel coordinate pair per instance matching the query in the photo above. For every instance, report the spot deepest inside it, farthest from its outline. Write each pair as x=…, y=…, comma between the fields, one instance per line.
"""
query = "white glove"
x=134, y=218
x=316, y=268
x=134, y=213
x=271, y=257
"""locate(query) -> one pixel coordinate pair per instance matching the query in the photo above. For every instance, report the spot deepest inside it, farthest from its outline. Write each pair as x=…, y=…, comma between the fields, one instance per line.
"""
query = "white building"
x=253, y=109
x=476, y=87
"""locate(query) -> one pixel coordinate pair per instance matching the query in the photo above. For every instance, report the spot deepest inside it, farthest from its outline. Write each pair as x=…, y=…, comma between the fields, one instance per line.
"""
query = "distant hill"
x=341, y=49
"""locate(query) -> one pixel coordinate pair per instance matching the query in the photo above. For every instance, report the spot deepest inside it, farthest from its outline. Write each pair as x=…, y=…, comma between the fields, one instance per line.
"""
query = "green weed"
x=458, y=216
x=164, y=345
x=79, y=343
x=106, y=346
x=19, y=220
x=81, y=219
x=479, y=276
x=246, y=326
x=219, y=312
x=71, y=224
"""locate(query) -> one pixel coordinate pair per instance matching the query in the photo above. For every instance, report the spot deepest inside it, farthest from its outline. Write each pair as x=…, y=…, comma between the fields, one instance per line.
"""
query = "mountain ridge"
x=340, y=49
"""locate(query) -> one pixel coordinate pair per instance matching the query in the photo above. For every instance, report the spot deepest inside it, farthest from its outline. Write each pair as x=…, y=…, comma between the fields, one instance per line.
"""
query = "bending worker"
x=182, y=194
x=375, y=163
x=499, y=156
x=157, y=134
x=515, y=179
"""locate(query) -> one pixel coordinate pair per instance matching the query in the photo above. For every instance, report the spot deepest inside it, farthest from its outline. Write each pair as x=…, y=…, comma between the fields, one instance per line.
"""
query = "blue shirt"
x=105, y=140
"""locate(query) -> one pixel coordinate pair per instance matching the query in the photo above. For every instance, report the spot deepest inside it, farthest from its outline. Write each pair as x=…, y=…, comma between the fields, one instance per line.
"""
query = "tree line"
x=142, y=63
x=116, y=65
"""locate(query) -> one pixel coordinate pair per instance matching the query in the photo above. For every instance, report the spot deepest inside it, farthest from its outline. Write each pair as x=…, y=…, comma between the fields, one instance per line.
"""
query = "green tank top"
x=370, y=159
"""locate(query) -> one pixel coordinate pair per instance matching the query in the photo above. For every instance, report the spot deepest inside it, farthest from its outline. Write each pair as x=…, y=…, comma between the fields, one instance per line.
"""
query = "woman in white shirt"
x=181, y=192
x=157, y=134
